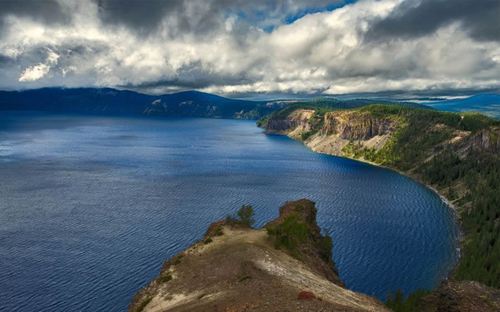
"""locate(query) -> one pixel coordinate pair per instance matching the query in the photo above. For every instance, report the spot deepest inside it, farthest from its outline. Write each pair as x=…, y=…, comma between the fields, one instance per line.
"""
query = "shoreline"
x=449, y=205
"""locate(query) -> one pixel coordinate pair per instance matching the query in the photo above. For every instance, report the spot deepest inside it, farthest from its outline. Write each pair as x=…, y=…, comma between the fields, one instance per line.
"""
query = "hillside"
x=121, y=102
x=286, y=266
x=107, y=101
x=457, y=154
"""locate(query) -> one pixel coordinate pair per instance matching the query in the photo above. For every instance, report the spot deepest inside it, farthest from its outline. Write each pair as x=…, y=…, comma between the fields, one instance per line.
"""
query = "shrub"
x=398, y=303
x=325, y=247
x=289, y=234
x=165, y=278
x=245, y=215
x=306, y=135
x=143, y=304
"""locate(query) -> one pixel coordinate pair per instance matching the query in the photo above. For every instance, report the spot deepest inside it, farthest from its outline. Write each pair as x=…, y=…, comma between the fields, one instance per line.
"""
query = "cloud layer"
x=235, y=47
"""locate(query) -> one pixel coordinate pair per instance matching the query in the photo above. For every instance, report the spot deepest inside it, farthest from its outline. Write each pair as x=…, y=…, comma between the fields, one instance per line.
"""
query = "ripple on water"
x=91, y=207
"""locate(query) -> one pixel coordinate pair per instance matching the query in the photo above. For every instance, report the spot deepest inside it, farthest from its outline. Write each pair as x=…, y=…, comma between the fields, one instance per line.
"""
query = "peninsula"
x=285, y=266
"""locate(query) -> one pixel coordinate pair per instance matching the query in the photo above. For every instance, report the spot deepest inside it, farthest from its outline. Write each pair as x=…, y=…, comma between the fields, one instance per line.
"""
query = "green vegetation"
x=324, y=105
x=289, y=234
x=468, y=176
x=218, y=231
x=480, y=176
x=473, y=180
x=244, y=217
x=143, y=304
x=165, y=277
x=398, y=303
x=325, y=246
x=262, y=122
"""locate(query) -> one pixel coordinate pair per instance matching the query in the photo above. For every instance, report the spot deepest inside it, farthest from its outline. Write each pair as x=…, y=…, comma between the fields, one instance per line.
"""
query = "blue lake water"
x=90, y=207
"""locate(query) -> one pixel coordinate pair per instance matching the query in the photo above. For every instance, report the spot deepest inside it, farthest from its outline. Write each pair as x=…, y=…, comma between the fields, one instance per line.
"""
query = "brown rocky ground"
x=461, y=296
x=240, y=269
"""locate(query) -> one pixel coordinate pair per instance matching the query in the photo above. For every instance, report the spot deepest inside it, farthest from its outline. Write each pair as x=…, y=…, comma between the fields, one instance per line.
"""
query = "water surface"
x=90, y=207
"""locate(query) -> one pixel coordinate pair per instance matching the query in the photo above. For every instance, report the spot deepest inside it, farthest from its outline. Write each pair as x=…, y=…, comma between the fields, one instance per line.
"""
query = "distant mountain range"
x=108, y=101
x=488, y=103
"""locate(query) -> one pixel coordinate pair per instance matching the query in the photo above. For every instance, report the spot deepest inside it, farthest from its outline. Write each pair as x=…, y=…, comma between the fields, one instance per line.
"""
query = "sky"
x=237, y=47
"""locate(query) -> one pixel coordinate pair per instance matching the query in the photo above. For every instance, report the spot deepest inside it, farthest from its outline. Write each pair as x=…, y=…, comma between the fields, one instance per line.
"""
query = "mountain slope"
x=107, y=101
x=457, y=154
x=121, y=102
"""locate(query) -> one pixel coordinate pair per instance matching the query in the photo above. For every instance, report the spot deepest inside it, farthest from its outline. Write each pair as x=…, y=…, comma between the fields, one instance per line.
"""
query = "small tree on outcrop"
x=246, y=215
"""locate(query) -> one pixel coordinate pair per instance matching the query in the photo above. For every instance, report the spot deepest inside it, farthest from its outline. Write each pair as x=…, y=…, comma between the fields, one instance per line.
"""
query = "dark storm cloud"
x=6, y=60
x=414, y=18
x=250, y=47
x=140, y=15
x=199, y=17
x=192, y=76
x=47, y=11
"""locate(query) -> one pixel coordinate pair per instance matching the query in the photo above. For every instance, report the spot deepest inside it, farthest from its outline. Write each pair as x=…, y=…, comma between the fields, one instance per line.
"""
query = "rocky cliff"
x=456, y=154
x=331, y=132
x=285, y=266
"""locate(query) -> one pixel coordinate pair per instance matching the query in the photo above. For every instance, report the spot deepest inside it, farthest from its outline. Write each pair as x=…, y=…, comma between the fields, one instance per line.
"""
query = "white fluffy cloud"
x=326, y=52
x=34, y=72
x=38, y=71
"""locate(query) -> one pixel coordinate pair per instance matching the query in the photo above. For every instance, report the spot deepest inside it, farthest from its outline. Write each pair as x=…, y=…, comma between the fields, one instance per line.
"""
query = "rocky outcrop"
x=465, y=296
x=486, y=140
x=315, y=249
x=296, y=122
x=356, y=126
x=336, y=130
x=455, y=154
x=237, y=268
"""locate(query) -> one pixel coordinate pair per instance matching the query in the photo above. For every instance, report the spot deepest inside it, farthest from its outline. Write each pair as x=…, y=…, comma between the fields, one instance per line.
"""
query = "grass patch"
x=289, y=234
x=143, y=304
x=164, y=278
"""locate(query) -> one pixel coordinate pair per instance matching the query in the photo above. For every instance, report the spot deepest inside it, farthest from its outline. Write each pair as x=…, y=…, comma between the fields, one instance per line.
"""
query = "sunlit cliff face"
x=231, y=47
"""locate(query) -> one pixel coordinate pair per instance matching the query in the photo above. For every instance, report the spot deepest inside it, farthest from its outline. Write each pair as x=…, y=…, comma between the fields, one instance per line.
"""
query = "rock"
x=311, y=250
x=242, y=270
x=306, y=295
x=336, y=130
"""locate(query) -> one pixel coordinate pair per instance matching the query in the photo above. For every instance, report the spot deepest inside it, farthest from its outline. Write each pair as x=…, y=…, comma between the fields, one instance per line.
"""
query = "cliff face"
x=457, y=154
x=345, y=132
x=487, y=140
x=353, y=125
x=236, y=268
x=294, y=124
x=335, y=130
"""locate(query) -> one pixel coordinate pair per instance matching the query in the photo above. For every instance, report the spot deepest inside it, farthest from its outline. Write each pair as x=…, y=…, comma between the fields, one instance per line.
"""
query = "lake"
x=90, y=207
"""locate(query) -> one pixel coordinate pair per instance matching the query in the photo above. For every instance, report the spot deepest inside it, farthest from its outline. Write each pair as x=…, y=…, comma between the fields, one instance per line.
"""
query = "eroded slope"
x=236, y=268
